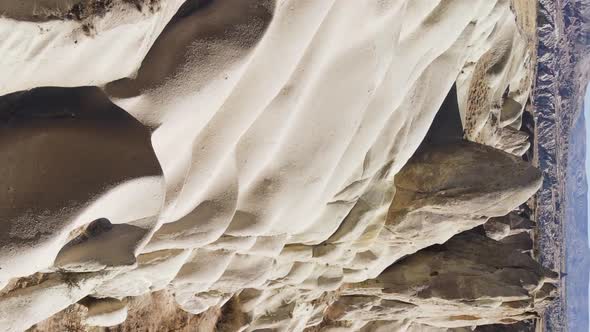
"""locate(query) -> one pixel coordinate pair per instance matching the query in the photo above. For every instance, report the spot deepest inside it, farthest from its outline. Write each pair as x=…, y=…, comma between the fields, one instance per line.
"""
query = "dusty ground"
x=150, y=313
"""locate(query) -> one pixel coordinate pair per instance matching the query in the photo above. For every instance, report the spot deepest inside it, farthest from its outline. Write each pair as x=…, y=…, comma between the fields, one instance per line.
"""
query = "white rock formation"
x=262, y=154
x=106, y=312
x=74, y=42
x=22, y=307
x=494, y=86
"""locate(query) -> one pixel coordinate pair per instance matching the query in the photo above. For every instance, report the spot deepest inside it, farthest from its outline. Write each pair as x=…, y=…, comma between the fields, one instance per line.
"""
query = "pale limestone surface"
x=272, y=152
x=106, y=312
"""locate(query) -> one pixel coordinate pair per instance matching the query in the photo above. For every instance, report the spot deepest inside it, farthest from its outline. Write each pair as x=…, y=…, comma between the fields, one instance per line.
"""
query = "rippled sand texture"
x=241, y=147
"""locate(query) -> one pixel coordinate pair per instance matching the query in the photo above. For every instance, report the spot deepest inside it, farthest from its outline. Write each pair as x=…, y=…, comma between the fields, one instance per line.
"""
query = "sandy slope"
x=278, y=128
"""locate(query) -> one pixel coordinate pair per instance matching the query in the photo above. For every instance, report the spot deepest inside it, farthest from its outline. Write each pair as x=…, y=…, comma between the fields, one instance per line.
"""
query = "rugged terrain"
x=267, y=165
x=563, y=69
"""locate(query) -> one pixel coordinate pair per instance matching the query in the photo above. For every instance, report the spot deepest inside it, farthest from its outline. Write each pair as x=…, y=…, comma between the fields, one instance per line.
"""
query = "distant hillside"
x=563, y=64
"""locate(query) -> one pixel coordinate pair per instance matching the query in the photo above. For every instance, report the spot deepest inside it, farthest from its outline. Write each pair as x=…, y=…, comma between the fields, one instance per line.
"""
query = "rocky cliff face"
x=470, y=280
x=266, y=166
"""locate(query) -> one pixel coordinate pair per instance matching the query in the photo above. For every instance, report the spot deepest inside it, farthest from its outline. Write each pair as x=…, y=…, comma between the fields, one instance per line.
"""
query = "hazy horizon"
x=587, y=120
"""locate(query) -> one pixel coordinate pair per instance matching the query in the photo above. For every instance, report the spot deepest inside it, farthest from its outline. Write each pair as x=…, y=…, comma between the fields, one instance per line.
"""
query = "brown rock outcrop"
x=447, y=189
x=511, y=224
x=469, y=281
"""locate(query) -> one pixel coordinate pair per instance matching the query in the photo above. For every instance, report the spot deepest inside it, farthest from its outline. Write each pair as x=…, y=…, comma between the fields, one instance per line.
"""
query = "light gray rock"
x=105, y=312
x=511, y=224
x=447, y=189
x=469, y=281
